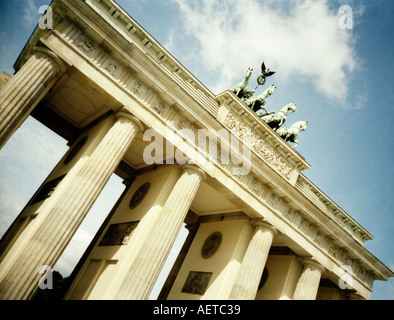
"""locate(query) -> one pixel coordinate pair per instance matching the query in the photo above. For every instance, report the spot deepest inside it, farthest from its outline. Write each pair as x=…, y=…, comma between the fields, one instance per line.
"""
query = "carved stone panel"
x=211, y=245
x=275, y=159
x=118, y=234
x=139, y=195
x=86, y=45
x=197, y=282
x=160, y=108
x=47, y=190
x=113, y=67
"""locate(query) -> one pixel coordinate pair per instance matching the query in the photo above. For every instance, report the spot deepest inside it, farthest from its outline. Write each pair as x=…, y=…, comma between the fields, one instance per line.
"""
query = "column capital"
x=124, y=113
x=308, y=283
x=35, y=75
x=51, y=55
x=194, y=168
x=261, y=224
x=310, y=262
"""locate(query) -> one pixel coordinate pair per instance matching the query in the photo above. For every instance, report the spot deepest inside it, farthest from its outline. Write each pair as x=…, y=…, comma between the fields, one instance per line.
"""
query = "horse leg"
x=285, y=137
x=256, y=106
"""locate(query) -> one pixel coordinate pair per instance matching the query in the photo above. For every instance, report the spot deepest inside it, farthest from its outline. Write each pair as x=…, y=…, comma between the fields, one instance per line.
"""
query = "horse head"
x=268, y=92
x=249, y=72
x=271, y=89
x=302, y=125
x=292, y=107
x=240, y=88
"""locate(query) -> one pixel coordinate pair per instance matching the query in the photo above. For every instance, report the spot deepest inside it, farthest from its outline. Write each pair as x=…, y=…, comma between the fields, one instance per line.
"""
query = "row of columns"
x=78, y=191
x=147, y=265
x=253, y=263
x=64, y=214
x=17, y=100
x=83, y=184
x=80, y=188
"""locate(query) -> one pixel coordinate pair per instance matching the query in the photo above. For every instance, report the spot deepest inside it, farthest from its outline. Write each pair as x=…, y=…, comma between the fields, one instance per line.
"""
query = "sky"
x=338, y=74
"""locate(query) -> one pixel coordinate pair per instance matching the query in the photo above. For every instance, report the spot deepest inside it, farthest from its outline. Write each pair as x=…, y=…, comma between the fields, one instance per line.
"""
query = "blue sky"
x=341, y=81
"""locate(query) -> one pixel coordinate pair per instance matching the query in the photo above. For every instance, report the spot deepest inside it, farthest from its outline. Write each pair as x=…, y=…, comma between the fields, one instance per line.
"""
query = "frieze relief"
x=275, y=159
x=113, y=67
x=137, y=88
x=182, y=123
x=87, y=45
x=160, y=108
x=256, y=186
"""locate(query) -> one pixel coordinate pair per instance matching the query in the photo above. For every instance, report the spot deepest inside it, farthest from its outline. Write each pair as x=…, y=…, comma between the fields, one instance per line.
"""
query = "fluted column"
x=308, y=284
x=253, y=263
x=179, y=261
x=77, y=193
x=147, y=265
x=29, y=85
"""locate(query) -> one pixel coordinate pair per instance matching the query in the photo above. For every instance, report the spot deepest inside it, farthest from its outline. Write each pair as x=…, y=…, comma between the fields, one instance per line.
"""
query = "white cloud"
x=73, y=252
x=301, y=39
x=10, y=206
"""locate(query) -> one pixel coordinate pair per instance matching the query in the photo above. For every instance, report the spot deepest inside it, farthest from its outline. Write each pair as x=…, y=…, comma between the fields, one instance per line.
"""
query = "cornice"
x=137, y=35
x=329, y=207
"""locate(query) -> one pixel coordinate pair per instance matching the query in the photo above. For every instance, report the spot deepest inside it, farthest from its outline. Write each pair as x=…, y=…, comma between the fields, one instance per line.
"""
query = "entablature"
x=331, y=209
x=265, y=142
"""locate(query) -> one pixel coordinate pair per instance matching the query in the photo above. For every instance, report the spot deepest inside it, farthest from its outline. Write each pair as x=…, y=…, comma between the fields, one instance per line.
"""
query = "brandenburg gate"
x=258, y=228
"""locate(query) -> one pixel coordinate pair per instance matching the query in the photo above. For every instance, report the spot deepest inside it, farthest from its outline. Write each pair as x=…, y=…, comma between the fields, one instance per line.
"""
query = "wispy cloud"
x=302, y=39
x=30, y=14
